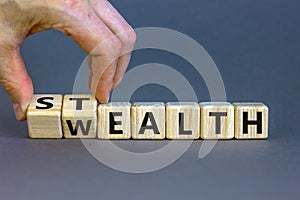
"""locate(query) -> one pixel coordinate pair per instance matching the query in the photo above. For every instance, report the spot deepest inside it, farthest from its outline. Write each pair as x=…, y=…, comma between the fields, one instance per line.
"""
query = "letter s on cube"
x=44, y=116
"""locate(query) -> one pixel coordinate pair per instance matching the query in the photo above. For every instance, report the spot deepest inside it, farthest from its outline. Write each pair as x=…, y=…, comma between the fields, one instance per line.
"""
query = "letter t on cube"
x=79, y=116
x=217, y=120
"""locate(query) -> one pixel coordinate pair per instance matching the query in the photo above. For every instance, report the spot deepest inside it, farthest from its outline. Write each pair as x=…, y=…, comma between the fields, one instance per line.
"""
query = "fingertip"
x=20, y=111
x=21, y=99
x=101, y=91
x=102, y=98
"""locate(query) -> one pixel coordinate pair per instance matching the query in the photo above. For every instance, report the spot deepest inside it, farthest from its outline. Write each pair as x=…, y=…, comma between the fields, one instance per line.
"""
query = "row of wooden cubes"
x=80, y=116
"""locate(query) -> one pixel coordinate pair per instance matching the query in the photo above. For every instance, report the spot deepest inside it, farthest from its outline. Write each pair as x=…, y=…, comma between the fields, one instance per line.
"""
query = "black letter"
x=48, y=104
x=218, y=116
x=112, y=123
x=79, y=102
x=149, y=115
x=79, y=124
x=247, y=122
x=181, y=126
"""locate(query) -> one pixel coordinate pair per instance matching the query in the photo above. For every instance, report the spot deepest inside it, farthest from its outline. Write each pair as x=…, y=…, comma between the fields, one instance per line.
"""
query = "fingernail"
x=19, y=112
x=103, y=100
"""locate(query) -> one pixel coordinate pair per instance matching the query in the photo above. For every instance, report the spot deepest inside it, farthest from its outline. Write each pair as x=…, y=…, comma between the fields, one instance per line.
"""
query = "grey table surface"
x=256, y=47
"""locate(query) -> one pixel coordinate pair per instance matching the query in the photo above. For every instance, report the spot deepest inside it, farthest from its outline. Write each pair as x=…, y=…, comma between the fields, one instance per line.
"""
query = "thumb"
x=15, y=81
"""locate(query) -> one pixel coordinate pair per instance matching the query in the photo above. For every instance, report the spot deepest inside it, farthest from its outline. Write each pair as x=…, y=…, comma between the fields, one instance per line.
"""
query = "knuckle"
x=131, y=37
x=128, y=38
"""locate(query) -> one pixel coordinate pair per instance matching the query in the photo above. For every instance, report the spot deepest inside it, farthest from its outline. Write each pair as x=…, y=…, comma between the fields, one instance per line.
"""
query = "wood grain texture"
x=79, y=116
x=114, y=120
x=251, y=120
x=44, y=117
x=182, y=120
x=148, y=120
x=217, y=120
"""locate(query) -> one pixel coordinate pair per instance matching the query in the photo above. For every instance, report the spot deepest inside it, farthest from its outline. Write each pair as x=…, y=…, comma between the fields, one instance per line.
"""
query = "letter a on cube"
x=148, y=120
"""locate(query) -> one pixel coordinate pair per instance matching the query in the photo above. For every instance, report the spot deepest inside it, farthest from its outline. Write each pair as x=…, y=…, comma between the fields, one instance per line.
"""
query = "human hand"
x=88, y=22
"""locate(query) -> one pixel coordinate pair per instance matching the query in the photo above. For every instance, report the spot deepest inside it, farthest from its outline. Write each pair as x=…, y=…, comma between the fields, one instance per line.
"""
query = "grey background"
x=255, y=44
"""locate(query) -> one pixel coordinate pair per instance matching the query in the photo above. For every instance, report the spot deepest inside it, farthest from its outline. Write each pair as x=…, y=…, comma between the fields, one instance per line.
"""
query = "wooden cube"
x=148, y=120
x=217, y=120
x=182, y=120
x=44, y=116
x=79, y=116
x=251, y=120
x=114, y=120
